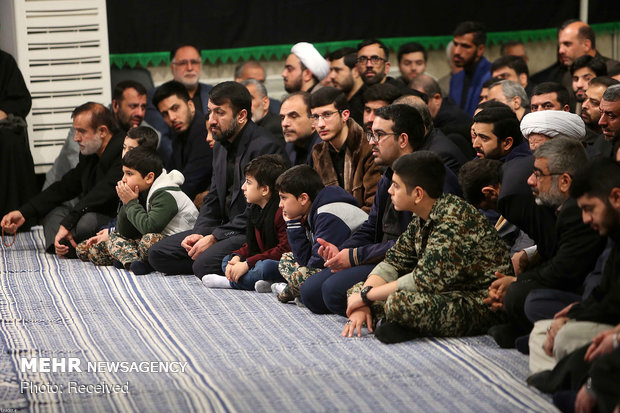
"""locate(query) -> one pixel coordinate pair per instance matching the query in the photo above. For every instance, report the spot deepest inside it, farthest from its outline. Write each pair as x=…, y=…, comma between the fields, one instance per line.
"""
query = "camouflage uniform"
x=443, y=267
x=118, y=248
x=293, y=273
x=97, y=253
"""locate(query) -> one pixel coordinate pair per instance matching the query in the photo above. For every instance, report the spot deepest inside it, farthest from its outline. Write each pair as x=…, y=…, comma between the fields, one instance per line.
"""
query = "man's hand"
x=125, y=193
x=199, y=199
x=12, y=221
x=555, y=326
x=356, y=321
x=497, y=291
x=327, y=250
x=584, y=402
x=101, y=236
x=520, y=262
x=201, y=245
x=189, y=241
x=564, y=311
x=603, y=343
x=63, y=233
x=236, y=270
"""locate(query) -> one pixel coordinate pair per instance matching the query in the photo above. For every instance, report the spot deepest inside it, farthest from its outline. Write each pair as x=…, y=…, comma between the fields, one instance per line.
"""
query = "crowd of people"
x=486, y=202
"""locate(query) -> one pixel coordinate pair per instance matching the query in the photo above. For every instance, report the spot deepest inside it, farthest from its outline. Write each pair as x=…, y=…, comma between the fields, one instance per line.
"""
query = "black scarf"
x=263, y=220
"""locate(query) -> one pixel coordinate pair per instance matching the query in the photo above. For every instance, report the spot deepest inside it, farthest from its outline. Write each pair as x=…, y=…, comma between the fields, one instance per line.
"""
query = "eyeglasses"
x=325, y=116
x=377, y=136
x=375, y=60
x=538, y=174
x=185, y=62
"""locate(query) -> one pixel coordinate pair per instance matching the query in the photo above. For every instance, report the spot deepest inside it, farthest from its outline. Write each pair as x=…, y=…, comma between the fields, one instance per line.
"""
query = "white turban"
x=553, y=123
x=312, y=59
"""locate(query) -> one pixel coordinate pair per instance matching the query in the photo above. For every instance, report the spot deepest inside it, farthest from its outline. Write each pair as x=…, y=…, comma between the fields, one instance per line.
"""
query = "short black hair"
x=368, y=42
x=406, y=120
x=596, y=179
x=492, y=104
x=475, y=175
x=490, y=82
x=117, y=93
x=382, y=91
x=266, y=169
x=596, y=64
x=516, y=63
x=145, y=135
x=99, y=116
x=169, y=89
x=504, y=121
x=144, y=160
x=328, y=95
x=234, y=93
x=298, y=180
x=340, y=53
x=553, y=87
x=604, y=81
x=476, y=28
x=305, y=97
x=411, y=47
x=176, y=48
x=423, y=169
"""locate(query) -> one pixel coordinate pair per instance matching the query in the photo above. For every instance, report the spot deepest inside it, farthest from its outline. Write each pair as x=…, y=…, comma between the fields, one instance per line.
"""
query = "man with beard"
x=186, y=66
x=375, y=97
x=344, y=158
x=343, y=75
x=610, y=117
x=583, y=71
x=298, y=128
x=551, y=96
x=304, y=68
x=469, y=42
x=595, y=142
x=191, y=155
x=411, y=61
x=222, y=223
x=568, y=248
x=260, y=108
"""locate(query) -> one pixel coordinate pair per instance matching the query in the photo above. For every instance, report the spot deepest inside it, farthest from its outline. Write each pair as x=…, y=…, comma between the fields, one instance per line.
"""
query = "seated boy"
x=258, y=258
x=311, y=211
x=94, y=249
x=434, y=279
x=153, y=207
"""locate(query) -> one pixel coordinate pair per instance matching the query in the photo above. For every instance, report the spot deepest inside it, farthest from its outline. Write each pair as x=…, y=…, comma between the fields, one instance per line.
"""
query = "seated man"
x=222, y=223
x=539, y=127
x=298, y=128
x=191, y=154
x=93, y=180
x=433, y=280
x=261, y=115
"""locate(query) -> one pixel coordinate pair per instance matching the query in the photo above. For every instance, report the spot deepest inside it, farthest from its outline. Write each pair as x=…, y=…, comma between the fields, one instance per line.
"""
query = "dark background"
x=157, y=25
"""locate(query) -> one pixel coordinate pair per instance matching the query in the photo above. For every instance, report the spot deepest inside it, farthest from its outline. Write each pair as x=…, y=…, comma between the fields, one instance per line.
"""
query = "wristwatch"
x=364, y=294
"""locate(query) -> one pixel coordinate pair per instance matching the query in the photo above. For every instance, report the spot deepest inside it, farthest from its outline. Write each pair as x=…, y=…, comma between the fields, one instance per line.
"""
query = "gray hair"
x=418, y=104
x=427, y=84
x=563, y=154
x=512, y=89
x=239, y=68
x=612, y=94
x=260, y=88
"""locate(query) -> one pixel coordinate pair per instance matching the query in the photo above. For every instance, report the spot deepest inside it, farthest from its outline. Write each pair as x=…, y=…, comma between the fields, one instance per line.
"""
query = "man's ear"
x=490, y=192
x=523, y=79
x=265, y=102
x=507, y=143
x=103, y=131
x=388, y=65
x=345, y=114
x=587, y=43
x=418, y=195
x=516, y=103
x=242, y=116
x=614, y=198
x=564, y=182
x=306, y=75
x=192, y=107
x=115, y=105
x=403, y=140
x=566, y=108
x=480, y=50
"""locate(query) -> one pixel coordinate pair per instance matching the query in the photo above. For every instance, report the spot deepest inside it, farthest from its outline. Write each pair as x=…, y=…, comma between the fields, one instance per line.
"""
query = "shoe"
x=522, y=344
x=141, y=267
x=262, y=286
x=118, y=264
x=389, y=332
x=504, y=335
x=277, y=288
x=565, y=400
x=286, y=295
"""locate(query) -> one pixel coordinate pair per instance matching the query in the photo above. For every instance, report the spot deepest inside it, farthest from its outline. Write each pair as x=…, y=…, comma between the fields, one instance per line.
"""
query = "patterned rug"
x=75, y=338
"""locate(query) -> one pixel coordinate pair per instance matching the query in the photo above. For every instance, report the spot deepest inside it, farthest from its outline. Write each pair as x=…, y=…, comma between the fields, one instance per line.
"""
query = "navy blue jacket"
x=333, y=216
x=518, y=166
x=253, y=141
x=481, y=74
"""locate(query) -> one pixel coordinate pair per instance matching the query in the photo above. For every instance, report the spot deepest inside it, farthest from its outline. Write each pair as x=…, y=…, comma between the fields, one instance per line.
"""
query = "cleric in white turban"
x=539, y=127
x=312, y=59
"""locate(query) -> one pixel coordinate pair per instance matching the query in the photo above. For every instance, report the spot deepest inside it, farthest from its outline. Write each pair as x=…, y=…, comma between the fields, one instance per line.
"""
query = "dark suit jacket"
x=449, y=153
x=214, y=218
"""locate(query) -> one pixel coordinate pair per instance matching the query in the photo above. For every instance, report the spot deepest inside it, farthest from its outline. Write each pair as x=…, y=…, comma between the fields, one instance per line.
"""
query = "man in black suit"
x=221, y=225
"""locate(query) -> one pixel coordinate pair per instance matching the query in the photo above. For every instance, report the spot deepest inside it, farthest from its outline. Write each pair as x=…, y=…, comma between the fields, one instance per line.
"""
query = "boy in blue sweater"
x=311, y=211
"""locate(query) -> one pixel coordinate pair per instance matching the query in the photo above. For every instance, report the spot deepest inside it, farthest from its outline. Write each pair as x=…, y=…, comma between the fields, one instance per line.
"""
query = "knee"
x=311, y=295
x=86, y=226
x=335, y=297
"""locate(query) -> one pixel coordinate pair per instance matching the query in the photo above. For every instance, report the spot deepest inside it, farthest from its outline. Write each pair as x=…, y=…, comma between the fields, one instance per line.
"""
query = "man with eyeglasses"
x=186, y=66
x=567, y=249
x=344, y=158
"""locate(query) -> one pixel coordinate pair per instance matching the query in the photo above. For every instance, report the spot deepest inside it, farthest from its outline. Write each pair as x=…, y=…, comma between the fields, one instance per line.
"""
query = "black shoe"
x=118, y=264
x=389, y=332
x=522, y=344
x=141, y=267
x=504, y=335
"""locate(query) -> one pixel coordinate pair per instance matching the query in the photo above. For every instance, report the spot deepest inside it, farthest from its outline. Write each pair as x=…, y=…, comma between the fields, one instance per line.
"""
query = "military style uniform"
x=443, y=267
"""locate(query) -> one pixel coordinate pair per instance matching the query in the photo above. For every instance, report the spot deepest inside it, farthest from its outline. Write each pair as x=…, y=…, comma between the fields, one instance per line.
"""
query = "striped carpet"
x=241, y=351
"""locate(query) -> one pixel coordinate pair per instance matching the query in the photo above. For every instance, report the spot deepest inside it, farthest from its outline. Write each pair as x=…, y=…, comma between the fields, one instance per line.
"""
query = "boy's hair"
x=266, y=169
x=298, y=180
x=475, y=175
x=143, y=160
x=146, y=136
x=328, y=95
x=169, y=89
x=423, y=169
x=596, y=179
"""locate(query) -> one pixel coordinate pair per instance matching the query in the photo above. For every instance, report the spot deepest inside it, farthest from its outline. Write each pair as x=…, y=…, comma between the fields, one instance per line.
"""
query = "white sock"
x=278, y=287
x=215, y=281
x=262, y=286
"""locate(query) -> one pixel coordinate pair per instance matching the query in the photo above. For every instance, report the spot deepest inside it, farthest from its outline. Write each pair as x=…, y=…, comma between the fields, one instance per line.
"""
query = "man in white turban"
x=304, y=68
x=539, y=127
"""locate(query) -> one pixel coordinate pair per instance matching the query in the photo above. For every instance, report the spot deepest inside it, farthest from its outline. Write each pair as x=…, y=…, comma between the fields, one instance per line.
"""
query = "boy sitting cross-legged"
x=255, y=264
x=311, y=211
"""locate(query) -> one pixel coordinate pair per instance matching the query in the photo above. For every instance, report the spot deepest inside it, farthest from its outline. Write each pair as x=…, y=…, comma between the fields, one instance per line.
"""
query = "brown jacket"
x=361, y=174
